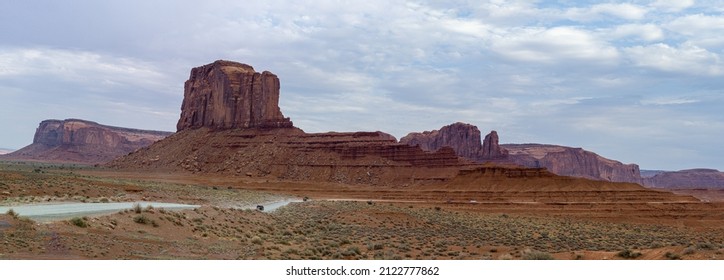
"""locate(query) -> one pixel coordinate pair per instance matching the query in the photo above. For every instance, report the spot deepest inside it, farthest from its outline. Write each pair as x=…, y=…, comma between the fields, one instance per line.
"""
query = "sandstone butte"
x=565, y=161
x=227, y=94
x=80, y=141
x=231, y=125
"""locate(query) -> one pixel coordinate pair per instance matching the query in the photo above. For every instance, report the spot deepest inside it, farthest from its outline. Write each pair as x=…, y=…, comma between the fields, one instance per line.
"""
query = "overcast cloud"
x=637, y=81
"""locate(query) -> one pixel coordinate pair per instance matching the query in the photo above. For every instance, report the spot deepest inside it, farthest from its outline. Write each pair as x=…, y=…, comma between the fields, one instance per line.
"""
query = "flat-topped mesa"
x=81, y=141
x=227, y=94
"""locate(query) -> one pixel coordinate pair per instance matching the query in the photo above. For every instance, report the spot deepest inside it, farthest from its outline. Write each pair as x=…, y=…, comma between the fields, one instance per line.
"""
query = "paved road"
x=55, y=212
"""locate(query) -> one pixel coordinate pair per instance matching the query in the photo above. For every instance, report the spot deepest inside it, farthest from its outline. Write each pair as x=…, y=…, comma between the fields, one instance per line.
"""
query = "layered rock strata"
x=566, y=161
x=463, y=138
x=226, y=94
x=372, y=158
x=74, y=140
x=574, y=162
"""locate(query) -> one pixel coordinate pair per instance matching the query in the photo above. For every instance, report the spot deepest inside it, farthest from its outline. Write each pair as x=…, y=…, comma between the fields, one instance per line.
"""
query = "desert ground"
x=341, y=221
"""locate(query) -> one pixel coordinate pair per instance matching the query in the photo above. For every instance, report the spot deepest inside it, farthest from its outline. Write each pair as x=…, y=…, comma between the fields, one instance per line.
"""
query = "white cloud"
x=704, y=30
x=623, y=11
x=686, y=59
x=555, y=45
x=83, y=67
x=669, y=101
x=646, y=32
x=672, y=5
x=467, y=27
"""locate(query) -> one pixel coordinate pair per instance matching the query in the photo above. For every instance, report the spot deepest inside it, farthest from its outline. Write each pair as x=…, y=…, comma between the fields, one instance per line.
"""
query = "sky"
x=636, y=81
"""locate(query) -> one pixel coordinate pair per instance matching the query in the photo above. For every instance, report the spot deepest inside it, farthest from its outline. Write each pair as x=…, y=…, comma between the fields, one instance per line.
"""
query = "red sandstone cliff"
x=227, y=94
x=81, y=141
x=461, y=137
x=574, y=162
x=566, y=161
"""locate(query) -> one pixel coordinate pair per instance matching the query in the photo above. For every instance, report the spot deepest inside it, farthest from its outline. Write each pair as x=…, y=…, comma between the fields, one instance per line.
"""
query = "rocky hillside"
x=566, y=161
x=687, y=179
x=80, y=141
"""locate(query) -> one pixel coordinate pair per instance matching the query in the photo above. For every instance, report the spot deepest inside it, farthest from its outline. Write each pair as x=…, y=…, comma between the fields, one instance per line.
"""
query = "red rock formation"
x=687, y=179
x=574, y=162
x=491, y=148
x=463, y=138
x=240, y=130
x=231, y=124
x=74, y=140
x=226, y=94
x=566, y=161
x=373, y=158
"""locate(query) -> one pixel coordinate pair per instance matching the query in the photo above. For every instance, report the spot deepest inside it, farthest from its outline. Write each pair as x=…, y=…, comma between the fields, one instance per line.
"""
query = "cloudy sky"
x=637, y=81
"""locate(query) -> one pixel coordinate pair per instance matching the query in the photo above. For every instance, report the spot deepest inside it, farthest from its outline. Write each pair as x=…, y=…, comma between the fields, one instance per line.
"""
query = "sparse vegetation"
x=672, y=256
x=537, y=255
x=12, y=213
x=79, y=222
x=141, y=219
x=320, y=229
x=628, y=254
x=137, y=208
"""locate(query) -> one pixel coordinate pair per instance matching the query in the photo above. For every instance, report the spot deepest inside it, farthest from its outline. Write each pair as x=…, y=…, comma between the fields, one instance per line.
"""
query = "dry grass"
x=313, y=229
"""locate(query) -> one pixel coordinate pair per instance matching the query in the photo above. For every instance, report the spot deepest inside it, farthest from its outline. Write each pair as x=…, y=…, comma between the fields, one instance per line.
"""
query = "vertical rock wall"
x=226, y=94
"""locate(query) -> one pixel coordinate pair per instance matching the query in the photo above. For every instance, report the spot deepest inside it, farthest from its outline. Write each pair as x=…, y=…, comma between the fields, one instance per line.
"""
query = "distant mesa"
x=5, y=151
x=561, y=160
x=227, y=94
x=81, y=141
x=687, y=179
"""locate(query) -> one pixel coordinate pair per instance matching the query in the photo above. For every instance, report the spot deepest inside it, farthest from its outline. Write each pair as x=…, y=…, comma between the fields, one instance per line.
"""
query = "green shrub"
x=628, y=254
x=257, y=240
x=537, y=255
x=79, y=222
x=12, y=213
x=706, y=246
x=672, y=256
x=141, y=219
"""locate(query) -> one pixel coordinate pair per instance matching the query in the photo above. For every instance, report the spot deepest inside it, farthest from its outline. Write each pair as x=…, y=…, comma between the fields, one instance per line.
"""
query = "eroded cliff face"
x=81, y=141
x=491, y=147
x=566, y=161
x=687, y=179
x=574, y=162
x=463, y=138
x=227, y=94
